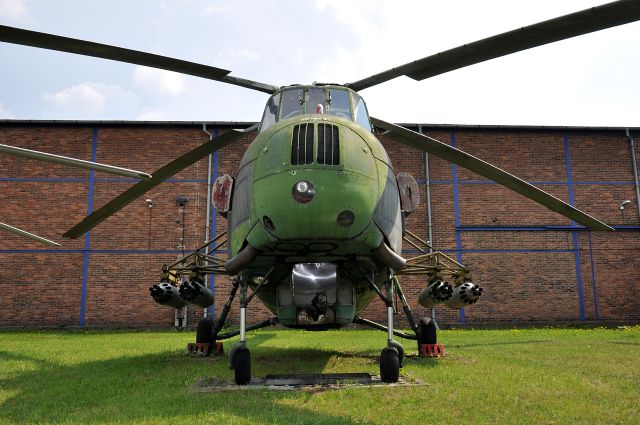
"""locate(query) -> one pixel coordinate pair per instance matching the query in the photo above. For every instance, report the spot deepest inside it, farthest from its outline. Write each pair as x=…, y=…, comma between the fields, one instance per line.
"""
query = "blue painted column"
x=87, y=236
x=214, y=222
x=456, y=211
x=576, y=250
x=593, y=278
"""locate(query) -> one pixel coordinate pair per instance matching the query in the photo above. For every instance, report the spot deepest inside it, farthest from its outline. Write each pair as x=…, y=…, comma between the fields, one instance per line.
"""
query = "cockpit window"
x=291, y=104
x=338, y=104
x=362, y=116
x=314, y=97
x=270, y=112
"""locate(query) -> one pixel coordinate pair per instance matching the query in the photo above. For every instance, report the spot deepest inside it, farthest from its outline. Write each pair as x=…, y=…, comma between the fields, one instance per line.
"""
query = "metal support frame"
x=225, y=309
x=201, y=262
x=391, y=284
x=217, y=336
x=265, y=280
x=243, y=311
x=372, y=285
x=431, y=261
x=269, y=322
x=405, y=305
x=198, y=261
x=372, y=324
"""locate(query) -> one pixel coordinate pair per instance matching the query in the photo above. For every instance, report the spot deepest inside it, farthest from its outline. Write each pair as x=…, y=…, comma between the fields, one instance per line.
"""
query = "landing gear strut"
x=390, y=358
x=425, y=332
x=208, y=334
x=241, y=357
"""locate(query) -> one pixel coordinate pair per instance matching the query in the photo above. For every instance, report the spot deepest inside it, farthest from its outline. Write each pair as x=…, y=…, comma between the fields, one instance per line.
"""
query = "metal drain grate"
x=318, y=379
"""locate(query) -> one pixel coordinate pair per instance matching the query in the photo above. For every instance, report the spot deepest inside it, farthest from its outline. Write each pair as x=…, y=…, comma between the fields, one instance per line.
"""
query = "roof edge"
x=247, y=124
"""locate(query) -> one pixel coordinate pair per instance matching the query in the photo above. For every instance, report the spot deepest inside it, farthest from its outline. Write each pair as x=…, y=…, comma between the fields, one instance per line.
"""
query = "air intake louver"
x=328, y=144
x=302, y=144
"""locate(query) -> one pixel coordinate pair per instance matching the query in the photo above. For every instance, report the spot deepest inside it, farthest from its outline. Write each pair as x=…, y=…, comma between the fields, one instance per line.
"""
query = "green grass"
x=503, y=376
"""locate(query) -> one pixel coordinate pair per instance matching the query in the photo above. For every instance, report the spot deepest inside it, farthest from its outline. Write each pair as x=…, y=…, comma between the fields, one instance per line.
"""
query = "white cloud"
x=158, y=80
x=90, y=101
x=14, y=10
x=547, y=85
x=84, y=96
x=566, y=83
x=5, y=113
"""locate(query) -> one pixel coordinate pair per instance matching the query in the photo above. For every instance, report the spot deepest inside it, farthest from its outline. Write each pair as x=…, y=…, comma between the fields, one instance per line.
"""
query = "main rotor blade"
x=105, y=51
x=567, y=26
x=470, y=162
x=27, y=235
x=79, y=163
x=144, y=186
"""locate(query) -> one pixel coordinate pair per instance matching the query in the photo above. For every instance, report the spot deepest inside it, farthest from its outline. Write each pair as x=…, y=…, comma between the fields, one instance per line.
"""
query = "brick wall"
x=530, y=272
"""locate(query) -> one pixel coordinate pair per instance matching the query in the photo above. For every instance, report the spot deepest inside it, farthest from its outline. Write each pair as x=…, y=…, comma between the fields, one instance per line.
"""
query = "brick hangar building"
x=535, y=265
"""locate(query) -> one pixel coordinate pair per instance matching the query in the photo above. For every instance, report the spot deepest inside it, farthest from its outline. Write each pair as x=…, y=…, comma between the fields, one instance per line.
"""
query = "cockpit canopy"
x=332, y=100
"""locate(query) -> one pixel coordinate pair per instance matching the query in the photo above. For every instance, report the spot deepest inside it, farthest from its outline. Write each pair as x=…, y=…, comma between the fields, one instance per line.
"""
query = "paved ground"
x=289, y=383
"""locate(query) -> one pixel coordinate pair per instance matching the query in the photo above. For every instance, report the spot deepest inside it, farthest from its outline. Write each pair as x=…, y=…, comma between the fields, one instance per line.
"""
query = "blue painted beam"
x=87, y=236
x=593, y=279
x=214, y=223
x=535, y=183
x=456, y=211
x=574, y=236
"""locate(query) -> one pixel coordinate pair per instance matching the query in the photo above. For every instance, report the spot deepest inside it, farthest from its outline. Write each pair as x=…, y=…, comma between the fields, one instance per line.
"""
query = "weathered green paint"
x=363, y=183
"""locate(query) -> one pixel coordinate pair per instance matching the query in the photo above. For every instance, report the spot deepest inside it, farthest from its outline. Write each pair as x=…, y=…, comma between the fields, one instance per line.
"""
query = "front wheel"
x=242, y=366
x=389, y=365
x=400, y=348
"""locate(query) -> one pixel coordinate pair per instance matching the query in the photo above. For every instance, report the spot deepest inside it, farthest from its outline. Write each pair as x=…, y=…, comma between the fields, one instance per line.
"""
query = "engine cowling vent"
x=302, y=144
x=328, y=144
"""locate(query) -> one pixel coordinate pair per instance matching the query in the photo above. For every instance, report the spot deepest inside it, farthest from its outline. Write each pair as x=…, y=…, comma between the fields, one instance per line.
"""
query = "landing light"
x=345, y=218
x=303, y=192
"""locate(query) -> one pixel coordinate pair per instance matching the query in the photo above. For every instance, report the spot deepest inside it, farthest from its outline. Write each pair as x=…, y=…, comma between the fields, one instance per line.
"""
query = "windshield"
x=338, y=104
x=362, y=116
x=313, y=100
x=291, y=105
x=270, y=112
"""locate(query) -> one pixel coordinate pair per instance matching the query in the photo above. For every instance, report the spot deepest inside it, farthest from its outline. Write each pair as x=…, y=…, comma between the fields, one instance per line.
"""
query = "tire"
x=400, y=349
x=242, y=363
x=427, y=332
x=232, y=353
x=204, y=331
x=389, y=365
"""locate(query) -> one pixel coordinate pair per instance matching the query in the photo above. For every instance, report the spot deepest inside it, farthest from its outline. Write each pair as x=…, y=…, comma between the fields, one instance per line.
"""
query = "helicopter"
x=316, y=212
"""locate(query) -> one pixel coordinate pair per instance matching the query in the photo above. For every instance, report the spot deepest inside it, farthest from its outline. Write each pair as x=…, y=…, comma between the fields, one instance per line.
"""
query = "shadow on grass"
x=492, y=343
x=625, y=343
x=158, y=387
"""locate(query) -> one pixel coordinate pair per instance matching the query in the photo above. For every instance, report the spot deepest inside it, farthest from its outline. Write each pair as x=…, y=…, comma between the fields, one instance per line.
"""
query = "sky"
x=590, y=80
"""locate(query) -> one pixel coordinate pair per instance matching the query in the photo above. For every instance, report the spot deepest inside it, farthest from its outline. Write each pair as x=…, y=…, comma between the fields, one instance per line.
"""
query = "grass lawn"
x=539, y=376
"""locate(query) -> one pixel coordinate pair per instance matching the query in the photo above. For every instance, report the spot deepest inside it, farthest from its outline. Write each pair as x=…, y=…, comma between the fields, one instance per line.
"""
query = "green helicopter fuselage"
x=315, y=196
